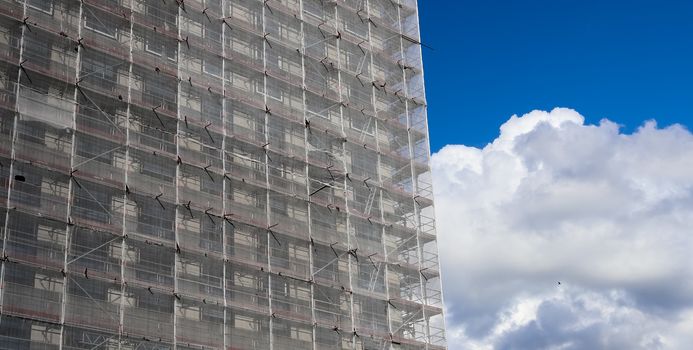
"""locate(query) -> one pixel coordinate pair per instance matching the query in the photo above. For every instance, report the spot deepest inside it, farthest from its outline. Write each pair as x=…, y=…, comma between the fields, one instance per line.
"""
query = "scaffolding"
x=208, y=174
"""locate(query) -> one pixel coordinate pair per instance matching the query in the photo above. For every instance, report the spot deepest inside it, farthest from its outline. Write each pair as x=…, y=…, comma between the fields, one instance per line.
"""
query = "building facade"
x=215, y=174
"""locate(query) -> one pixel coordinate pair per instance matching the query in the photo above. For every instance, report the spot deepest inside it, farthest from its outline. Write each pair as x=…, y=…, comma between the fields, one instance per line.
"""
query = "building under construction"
x=215, y=174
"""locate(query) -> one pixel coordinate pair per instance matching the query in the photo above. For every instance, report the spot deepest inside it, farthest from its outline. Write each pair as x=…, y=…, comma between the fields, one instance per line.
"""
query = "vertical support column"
x=176, y=302
x=366, y=4
x=69, y=228
x=267, y=185
x=307, y=177
x=350, y=258
x=10, y=180
x=125, y=194
x=417, y=218
x=224, y=182
x=424, y=289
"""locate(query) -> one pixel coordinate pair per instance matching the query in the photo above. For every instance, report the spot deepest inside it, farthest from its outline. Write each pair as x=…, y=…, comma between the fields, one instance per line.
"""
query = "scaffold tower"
x=215, y=174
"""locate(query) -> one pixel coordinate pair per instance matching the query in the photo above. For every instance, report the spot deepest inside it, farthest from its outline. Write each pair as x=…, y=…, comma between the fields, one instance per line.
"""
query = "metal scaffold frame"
x=208, y=174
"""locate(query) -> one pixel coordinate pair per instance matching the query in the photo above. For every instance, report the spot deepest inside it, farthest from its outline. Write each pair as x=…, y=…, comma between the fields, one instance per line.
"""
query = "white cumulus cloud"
x=608, y=214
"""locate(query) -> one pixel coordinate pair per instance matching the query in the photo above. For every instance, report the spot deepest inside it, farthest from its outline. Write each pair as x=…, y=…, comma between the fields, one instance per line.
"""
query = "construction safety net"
x=215, y=174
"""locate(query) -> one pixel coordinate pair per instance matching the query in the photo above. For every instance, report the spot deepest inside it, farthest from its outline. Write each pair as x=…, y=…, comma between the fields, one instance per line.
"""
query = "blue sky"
x=556, y=194
x=628, y=61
